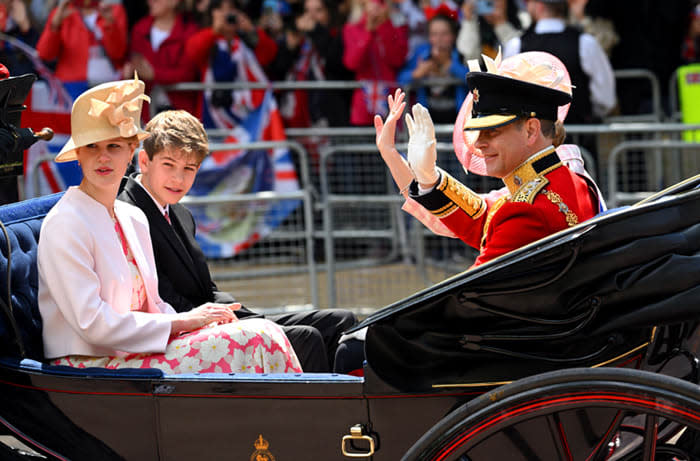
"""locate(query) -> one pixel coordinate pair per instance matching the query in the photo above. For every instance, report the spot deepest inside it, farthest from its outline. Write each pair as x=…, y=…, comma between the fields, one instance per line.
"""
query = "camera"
x=231, y=18
x=484, y=7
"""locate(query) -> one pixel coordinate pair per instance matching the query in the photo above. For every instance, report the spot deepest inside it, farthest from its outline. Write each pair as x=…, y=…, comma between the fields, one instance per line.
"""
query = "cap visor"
x=489, y=121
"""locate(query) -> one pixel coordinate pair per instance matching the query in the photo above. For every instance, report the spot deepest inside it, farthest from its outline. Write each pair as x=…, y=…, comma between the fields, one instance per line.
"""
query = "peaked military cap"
x=499, y=100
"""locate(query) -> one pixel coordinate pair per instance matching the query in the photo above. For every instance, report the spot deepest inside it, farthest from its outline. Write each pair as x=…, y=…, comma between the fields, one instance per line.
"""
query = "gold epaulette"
x=528, y=191
x=526, y=181
x=460, y=197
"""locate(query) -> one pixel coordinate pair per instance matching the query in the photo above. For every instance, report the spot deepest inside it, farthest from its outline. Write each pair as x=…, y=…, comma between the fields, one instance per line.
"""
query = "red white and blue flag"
x=249, y=115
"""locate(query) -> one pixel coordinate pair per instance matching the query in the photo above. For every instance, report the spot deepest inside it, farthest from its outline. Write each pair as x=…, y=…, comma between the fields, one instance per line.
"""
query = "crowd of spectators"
x=378, y=42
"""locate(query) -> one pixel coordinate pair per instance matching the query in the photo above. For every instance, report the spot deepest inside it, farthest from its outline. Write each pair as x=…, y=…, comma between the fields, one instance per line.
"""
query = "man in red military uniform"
x=516, y=131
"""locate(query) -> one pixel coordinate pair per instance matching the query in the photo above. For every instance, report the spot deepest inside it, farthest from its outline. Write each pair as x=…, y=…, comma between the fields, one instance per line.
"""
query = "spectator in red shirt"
x=231, y=50
x=157, y=53
x=88, y=40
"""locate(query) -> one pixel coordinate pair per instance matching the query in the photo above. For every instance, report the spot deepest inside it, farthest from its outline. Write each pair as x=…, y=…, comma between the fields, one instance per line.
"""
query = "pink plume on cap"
x=536, y=67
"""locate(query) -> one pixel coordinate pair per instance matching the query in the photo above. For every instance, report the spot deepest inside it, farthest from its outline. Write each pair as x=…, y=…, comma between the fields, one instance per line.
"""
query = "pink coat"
x=373, y=55
x=85, y=282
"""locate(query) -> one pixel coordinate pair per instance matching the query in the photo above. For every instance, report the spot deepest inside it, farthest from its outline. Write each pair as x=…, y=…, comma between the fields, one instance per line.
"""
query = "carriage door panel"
x=257, y=420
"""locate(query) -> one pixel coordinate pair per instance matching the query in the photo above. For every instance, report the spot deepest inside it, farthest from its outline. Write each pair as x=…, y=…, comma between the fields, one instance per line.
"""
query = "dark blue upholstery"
x=23, y=222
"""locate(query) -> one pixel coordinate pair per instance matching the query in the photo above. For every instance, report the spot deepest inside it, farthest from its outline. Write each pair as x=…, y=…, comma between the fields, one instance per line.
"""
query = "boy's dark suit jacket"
x=179, y=259
x=184, y=282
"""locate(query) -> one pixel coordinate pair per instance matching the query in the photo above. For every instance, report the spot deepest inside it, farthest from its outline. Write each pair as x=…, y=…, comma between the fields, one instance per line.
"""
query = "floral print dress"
x=244, y=346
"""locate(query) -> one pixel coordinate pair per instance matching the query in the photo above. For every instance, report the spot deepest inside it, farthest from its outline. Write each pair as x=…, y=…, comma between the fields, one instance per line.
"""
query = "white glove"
x=422, y=154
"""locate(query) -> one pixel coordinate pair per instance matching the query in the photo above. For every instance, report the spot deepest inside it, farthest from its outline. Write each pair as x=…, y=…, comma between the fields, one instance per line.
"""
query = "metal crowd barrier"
x=671, y=147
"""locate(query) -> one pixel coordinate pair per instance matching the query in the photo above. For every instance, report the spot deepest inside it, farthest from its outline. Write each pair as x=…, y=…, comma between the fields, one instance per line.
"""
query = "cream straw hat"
x=107, y=111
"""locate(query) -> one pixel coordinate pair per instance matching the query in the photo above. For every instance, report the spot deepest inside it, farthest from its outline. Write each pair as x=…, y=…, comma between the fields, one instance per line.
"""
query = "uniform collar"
x=539, y=164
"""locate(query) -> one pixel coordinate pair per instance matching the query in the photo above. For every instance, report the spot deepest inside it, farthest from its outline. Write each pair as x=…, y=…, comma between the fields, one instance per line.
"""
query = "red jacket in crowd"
x=169, y=62
x=373, y=55
x=70, y=43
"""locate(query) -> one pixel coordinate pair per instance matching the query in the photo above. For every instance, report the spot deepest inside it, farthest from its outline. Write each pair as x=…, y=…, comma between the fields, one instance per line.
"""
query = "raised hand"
x=422, y=151
x=63, y=10
x=386, y=133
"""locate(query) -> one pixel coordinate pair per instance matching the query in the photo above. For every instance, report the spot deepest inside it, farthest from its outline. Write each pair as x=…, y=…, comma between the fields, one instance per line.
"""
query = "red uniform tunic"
x=544, y=197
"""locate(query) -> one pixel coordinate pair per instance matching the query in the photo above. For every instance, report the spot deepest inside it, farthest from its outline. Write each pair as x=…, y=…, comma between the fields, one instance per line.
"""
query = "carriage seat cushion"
x=23, y=222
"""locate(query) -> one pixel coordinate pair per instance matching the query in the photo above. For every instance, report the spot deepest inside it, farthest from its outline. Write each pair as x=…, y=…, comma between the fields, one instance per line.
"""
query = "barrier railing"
x=617, y=198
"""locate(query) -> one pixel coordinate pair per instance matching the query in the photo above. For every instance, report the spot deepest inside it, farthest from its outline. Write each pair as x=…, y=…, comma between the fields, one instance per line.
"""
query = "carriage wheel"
x=577, y=414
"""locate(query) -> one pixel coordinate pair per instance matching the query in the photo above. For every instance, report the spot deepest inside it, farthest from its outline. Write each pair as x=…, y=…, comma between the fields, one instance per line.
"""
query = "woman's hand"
x=141, y=65
x=204, y=315
x=499, y=14
x=424, y=68
x=63, y=10
x=18, y=12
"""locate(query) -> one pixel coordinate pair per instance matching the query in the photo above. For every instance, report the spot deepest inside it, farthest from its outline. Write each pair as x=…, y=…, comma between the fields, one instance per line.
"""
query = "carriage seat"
x=23, y=222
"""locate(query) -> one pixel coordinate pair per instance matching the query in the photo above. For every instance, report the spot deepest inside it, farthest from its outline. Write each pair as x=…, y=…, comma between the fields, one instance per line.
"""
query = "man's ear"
x=144, y=161
x=532, y=128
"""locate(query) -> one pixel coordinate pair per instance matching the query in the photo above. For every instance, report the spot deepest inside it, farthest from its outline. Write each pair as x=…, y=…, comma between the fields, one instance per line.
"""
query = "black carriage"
x=578, y=346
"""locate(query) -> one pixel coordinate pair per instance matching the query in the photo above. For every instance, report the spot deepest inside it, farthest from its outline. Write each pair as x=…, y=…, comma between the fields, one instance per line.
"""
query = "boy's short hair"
x=176, y=129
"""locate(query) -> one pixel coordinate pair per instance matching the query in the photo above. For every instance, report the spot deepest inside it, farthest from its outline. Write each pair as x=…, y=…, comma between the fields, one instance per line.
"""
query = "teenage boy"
x=168, y=164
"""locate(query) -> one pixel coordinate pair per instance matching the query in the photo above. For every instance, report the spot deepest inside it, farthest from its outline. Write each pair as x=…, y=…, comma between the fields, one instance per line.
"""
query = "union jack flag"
x=376, y=93
x=250, y=115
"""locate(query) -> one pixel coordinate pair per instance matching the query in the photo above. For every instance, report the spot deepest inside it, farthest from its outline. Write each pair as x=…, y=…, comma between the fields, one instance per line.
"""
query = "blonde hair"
x=176, y=129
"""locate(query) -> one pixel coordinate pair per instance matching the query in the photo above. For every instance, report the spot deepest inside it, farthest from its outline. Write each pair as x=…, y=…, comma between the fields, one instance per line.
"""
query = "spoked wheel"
x=576, y=414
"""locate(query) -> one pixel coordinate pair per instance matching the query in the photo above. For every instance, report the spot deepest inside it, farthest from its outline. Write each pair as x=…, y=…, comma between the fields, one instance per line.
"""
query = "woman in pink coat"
x=375, y=49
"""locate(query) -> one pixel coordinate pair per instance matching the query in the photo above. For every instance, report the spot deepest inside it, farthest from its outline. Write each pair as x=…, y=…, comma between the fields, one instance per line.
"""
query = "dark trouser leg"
x=349, y=356
x=308, y=344
x=330, y=323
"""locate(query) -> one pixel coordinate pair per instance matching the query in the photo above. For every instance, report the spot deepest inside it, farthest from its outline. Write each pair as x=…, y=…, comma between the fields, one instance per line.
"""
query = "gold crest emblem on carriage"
x=261, y=452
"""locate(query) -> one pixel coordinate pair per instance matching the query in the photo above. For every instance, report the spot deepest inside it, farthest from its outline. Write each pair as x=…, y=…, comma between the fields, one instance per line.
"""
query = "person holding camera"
x=157, y=53
x=438, y=59
x=231, y=50
x=312, y=49
x=87, y=39
x=375, y=49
